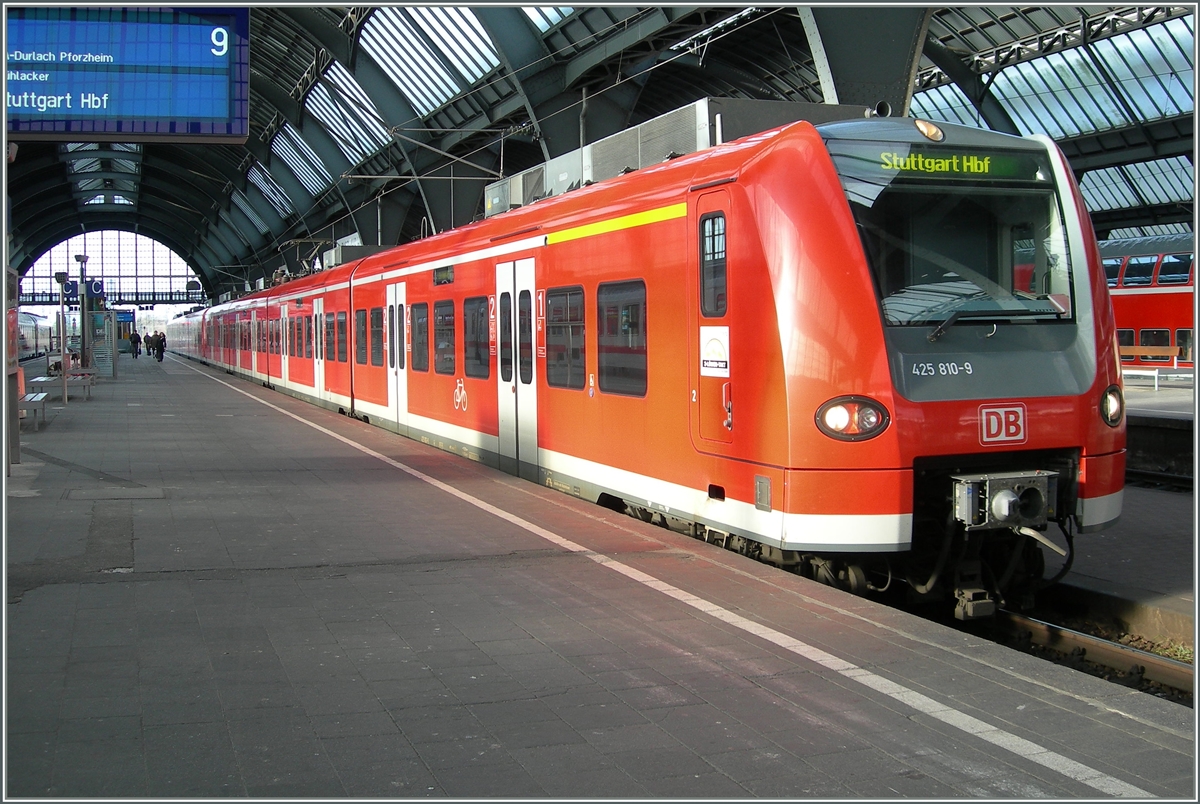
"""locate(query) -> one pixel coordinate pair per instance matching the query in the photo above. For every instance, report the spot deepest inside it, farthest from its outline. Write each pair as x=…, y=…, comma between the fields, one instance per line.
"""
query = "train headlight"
x=1112, y=406
x=852, y=418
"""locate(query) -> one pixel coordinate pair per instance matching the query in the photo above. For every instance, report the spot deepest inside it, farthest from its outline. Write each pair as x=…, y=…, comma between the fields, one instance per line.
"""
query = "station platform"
x=214, y=589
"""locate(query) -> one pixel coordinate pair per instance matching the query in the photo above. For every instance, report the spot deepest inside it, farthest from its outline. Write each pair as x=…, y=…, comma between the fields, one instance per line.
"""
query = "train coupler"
x=971, y=600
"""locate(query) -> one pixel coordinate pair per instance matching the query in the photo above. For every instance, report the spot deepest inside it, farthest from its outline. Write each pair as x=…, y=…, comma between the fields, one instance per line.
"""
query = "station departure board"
x=132, y=74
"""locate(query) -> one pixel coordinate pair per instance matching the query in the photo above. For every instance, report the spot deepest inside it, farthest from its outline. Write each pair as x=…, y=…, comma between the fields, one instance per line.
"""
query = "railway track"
x=1146, y=477
x=1138, y=666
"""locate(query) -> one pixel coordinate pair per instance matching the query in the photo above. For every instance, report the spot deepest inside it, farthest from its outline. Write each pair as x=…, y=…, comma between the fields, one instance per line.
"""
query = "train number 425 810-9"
x=943, y=369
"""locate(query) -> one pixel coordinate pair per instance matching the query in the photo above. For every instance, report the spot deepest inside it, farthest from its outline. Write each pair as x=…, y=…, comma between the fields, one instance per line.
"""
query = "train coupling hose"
x=1038, y=536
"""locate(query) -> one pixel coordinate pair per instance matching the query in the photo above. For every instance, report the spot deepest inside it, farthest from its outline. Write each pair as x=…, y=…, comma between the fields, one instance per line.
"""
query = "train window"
x=360, y=337
x=525, y=337
x=565, y=338
x=1139, y=271
x=443, y=337
x=420, y=337
x=1112, y=269
x=376, y=336
x=506, y=359
x=343, y=345
x=622, y=342
x=1176, y=269
x=400, y=337
x=1154, y=337
x=477, y=361
x=308, y=339
x=1183, y=339
x=291, y=335
x=330, y=349
x=391, y=326
x=1125, y=338
x=712, y=264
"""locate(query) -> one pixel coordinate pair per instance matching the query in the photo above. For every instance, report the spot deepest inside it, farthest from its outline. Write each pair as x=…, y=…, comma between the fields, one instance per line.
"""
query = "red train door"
x=713, y=403
x=516, y=387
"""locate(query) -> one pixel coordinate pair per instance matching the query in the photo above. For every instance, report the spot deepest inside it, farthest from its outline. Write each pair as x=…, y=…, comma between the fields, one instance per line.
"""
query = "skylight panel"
x=289, y=146
x=460, y=37
x=275, y=195
x=340, y=103
x=1161, y=181
x=390, y=38
x=1059, y=95
x=946, y=104
x=546, y=17
x=242, y=203
x=1153, y=67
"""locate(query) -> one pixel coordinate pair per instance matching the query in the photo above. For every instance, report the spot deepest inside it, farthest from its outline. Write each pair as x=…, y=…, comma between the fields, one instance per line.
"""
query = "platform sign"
x=136, y=74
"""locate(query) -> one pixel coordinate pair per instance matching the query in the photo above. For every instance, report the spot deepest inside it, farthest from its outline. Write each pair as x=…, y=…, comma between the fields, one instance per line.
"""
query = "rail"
x=1138, y=664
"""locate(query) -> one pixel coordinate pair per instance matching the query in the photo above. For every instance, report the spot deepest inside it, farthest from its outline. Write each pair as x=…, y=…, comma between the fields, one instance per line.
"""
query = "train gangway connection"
x=217, y=589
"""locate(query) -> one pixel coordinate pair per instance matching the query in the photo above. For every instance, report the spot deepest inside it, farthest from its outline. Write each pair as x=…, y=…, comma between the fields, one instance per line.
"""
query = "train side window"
x=308, y=339
x=565, y=338
x=376, y=336
x=1154, y=337
x=330, y=350
x=1125, y=338
x=1183, y=339
x=477, y=361
x=1176, y=269
x=1139, y=270
x=420, y=337
x=360, y=337
x=391, y=328
x=443, y=337
x=343, y=339
x=1112, y=270
x=506, y=360
x=712, y=265
x=622, y=341
x=525, y=337
x=400, y=336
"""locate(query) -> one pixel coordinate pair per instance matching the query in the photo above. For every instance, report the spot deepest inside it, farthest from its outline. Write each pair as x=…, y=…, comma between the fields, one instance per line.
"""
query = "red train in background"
x=1153, y=289
x=879, y=352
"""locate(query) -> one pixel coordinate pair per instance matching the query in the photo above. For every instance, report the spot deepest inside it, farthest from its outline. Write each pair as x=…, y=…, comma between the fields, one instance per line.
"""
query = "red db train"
x=1153, y=295
x=878, y=352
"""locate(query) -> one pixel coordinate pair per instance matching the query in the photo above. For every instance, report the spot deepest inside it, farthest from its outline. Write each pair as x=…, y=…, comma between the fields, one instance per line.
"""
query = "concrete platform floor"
x=207, y=596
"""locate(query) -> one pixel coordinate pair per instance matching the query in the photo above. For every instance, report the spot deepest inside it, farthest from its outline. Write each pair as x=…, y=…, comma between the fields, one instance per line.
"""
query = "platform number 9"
x=220, y=40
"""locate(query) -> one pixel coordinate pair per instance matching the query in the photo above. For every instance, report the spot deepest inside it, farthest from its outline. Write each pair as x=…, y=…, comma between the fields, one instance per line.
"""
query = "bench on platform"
x=34, y=402
x=53, y=384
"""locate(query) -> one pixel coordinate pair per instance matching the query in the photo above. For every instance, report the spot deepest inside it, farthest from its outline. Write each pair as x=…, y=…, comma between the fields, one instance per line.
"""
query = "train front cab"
x=1003, y=402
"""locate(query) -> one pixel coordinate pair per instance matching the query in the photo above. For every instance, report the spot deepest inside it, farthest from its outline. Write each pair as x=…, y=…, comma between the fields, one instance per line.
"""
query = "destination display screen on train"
x=883, y=162
x=137, y=74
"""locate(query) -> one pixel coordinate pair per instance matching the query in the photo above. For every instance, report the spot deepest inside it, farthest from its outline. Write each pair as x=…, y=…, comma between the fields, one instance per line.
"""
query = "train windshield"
x=952, y=235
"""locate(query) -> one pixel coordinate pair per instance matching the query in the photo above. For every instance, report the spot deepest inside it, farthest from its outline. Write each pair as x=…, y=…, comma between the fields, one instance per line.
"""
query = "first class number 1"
x=950, y=369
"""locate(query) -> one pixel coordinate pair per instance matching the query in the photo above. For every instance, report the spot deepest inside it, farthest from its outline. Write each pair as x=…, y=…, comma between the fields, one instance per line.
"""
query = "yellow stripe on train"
x=616, y=224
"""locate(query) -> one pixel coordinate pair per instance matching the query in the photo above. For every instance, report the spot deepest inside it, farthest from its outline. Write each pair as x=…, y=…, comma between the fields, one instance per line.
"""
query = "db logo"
x=1002, y=425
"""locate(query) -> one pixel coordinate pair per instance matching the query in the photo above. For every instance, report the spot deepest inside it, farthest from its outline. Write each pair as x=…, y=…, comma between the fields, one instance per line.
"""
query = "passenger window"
x=330, y=350
x=1176, y=269
x=622, y=342
x=1154, y=337
x=360, y=337
x=443, y=337
x=477, y=361
x=1125, y=338
x=1183, y=339
x=391, y=328
x=525, y=337
x=506, y=358
x=1139, y=270
x=420, y=337
x=565, y=338
x=712, y=265
x=343, y=341
x=376, y=336
x=308, y=339
x=1112, y=270
x=400, y=337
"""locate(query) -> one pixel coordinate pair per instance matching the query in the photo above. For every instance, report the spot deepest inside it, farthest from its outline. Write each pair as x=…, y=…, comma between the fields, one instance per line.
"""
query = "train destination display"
x=138, y=74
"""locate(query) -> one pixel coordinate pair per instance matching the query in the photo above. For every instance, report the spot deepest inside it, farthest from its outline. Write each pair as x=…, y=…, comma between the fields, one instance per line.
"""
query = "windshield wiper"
x=941, y=328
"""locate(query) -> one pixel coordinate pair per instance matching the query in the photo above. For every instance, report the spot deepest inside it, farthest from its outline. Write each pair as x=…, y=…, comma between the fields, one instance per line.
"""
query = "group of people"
x=155, y=344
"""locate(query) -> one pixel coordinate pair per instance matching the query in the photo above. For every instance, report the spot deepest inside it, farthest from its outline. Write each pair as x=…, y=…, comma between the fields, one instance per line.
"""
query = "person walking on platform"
x=160, y=345
x=135, y=344
x=150, y=343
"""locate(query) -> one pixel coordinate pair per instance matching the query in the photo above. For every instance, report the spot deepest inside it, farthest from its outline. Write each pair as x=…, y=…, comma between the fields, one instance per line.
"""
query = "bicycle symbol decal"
x=460, y=397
